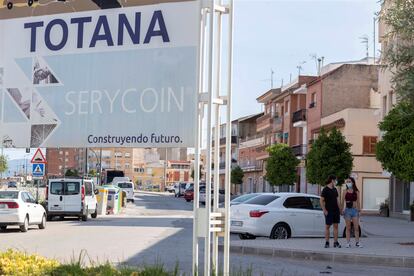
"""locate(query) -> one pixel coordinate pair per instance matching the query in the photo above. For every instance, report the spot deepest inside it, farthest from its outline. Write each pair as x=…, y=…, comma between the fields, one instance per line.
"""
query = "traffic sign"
x=38, y=170
x=38, y=157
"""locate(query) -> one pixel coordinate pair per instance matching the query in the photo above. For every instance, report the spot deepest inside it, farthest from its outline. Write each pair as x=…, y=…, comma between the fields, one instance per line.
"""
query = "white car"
x=20, y=208
x=128, y=188
x=67, y=197
x=280, y=216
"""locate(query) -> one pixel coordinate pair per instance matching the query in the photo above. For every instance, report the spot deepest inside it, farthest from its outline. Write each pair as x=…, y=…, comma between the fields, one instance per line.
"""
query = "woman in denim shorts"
x=351, y=212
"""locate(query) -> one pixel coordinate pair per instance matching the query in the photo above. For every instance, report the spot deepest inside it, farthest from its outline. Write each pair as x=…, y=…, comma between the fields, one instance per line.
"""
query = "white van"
x=128, y=188
x=71, y=197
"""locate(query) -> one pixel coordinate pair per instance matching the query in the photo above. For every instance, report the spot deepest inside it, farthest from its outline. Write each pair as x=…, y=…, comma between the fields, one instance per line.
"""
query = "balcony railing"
x=299, y=150
x=264, y=122
x=223, y=140
x=261, y=152
x=250, y=166
x=299, y=115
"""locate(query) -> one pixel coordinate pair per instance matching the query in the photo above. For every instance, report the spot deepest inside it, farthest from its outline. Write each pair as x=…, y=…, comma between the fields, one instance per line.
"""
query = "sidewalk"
x=389, y=242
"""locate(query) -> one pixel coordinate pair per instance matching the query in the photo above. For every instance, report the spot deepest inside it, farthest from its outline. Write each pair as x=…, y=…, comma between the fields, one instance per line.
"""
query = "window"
x=56, y=188
x=313, y=100
x=72, y=188
x=118, y=154
x=127, y=154
x=26, y=198
x=369, y=144
x=149, y=170
x=262, y=200
x=60, y=152
x=9, y=195
x=127, y=165
x=88, y=188
x=298, y=202
x=316, y=203
x=125, y=185
x=287, y=107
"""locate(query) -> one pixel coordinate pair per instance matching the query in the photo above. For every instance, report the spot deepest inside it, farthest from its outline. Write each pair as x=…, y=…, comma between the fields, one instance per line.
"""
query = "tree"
x=193, y=173
x=3, y=164
x=330, y=154
x=92, y=172
x=281, y=165
x=399, y=54
x=237, y=175
x=70, y=172
x=396, y=149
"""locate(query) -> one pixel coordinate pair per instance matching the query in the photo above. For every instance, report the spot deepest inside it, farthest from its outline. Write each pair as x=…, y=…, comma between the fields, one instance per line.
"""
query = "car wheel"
x=133, y=200
x=280, y=231
x=29, y=3
x=247, y=237
x=25, y=226
x=188, y=200
x=3, y=228
x=95, y=214
x=85, y=217
x=42, y=225
x=10, y=5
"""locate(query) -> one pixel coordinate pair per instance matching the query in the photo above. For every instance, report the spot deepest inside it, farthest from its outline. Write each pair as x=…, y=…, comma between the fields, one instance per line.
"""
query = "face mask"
x=349, y=185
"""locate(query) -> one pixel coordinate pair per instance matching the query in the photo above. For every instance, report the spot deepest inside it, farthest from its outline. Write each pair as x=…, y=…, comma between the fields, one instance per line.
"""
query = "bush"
x=17, y=263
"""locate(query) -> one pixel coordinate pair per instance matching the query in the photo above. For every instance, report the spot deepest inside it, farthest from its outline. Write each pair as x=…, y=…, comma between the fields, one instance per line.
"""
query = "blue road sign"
x=38, y=170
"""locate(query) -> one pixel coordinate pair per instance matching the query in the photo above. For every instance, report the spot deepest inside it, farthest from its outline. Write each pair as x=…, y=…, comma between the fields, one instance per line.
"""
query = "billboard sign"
x=123, y=77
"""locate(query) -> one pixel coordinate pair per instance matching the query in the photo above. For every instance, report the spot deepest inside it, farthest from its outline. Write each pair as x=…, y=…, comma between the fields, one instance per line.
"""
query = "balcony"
x=299, y=150
x=223, y=141
x=299, y=118
x=251, y=166
x=277, y=124
x=251, y=141
x=261, y=152
x=264, y=122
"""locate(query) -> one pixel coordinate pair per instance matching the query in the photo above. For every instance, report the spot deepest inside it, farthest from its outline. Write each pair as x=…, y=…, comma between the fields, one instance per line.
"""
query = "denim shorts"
x=351, y=213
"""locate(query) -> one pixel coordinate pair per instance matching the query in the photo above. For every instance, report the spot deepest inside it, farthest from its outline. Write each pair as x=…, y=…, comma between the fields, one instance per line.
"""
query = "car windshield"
x=9, y=195
x=125, y=185
x=244, y=198
x=262, y=199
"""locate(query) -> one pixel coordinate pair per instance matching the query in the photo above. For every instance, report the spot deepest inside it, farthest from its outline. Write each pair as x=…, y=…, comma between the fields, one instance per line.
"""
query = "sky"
x=279, y=35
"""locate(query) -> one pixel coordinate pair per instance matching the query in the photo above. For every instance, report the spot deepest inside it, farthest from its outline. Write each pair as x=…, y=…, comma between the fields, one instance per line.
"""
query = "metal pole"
x=196, y=200
x=374, y=40
x=217, y=137
x=207, y=246
x=226, y=249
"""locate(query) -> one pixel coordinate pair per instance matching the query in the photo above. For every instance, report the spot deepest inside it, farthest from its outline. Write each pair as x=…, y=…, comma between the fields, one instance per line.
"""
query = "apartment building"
x=401, y=193
x=59, y=160
x=178, y=171
x=111, y=159
x=248, y=142
x=281, y=109
x=346, y=97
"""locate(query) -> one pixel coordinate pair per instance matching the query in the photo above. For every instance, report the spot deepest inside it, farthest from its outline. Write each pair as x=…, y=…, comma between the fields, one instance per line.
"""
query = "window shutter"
x=366, y=145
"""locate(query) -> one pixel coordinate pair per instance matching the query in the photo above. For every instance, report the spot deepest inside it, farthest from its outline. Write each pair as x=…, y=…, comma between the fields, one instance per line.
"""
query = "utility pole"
x=374, y=40
x=364, y=40
x=271, y=78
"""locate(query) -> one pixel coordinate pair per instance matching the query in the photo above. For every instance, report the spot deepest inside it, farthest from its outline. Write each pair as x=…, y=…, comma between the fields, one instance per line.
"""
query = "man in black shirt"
x=330, y=206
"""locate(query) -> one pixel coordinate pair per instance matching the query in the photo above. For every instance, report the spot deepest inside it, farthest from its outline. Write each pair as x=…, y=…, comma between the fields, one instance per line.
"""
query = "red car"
x=189, y=194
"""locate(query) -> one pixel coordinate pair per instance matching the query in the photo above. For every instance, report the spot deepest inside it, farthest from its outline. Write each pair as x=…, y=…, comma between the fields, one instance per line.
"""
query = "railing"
x=299, y=150
x=264, y=122
x=223, y=140
x=251, y=166
x=299, y=115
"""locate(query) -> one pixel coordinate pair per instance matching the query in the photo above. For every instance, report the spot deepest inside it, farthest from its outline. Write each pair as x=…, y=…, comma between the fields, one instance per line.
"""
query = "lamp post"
x=98, y=165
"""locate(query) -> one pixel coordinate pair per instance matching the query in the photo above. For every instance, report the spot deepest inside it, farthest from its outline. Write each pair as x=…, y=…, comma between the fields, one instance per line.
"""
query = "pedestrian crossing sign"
x=38, y=170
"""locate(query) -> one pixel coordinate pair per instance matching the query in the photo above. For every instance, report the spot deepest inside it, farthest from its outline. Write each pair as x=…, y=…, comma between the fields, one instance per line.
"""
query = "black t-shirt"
x=331, y=199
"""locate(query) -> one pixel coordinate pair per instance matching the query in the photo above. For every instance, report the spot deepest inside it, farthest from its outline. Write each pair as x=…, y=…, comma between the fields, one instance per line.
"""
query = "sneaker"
x=337, y=245
x=326, y=244
x=358, y=244
x=348, y=245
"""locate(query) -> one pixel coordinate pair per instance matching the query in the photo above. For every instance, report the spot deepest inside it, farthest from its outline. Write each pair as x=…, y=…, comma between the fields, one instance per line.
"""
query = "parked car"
x=280, y=216
x=180, y=188
x=21, y=209
x=12, y=184
x=170, y=188
x=189, y=194
x=71, y=198
x=243, y=198
x=203, y=195
x=128, y=188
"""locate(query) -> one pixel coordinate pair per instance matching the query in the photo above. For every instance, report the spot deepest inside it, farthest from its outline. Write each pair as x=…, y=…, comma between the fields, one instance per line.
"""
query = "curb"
x=377, y=260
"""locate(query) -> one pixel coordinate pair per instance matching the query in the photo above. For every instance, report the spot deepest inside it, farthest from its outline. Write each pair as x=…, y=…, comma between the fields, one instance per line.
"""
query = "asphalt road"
x=157, y=228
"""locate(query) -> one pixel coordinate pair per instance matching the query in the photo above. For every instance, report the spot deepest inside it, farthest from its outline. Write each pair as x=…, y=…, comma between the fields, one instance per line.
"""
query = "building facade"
x=60, y=160
x=401, y=193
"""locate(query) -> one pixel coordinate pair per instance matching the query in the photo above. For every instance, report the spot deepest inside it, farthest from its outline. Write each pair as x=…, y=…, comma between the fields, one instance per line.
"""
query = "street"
x=156, y=229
